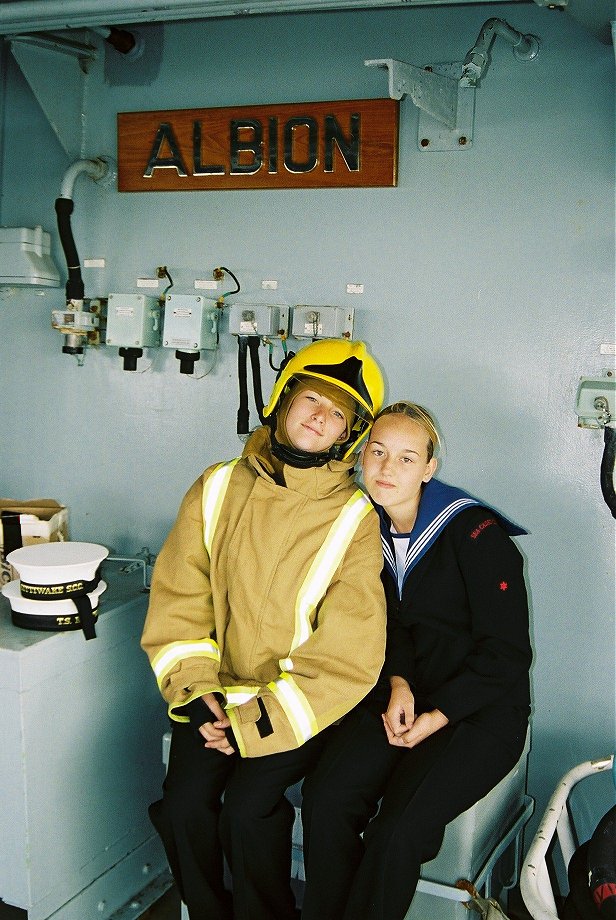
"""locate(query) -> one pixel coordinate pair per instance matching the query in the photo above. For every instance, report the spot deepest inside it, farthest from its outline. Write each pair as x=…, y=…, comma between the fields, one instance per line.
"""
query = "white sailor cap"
x=57, y=563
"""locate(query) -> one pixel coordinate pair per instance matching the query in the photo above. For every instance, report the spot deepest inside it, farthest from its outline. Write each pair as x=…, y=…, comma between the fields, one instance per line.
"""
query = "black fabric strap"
x=263, y=723
x=11, y=529
x=86, y=615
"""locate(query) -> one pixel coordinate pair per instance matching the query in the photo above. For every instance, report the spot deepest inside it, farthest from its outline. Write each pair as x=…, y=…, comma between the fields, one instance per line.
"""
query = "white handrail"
x=535, y=884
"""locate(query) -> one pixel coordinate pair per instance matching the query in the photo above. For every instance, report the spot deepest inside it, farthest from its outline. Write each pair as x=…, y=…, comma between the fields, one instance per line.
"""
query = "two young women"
x=266, y=626
x=448, y=717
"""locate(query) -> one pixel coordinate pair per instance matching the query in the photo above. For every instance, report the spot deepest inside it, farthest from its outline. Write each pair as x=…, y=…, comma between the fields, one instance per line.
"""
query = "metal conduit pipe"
x=130, y=44
x=525, y=48
x=96, y=169
x=32, y=15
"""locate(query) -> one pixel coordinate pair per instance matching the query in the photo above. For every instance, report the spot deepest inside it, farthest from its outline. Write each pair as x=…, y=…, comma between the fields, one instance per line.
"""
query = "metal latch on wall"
x=445, y=93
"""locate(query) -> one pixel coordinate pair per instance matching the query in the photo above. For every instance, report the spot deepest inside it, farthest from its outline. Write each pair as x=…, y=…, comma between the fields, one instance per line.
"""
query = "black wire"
x=74, y=284
x=253, y=345
x=607, y=468
x=163, y=296
x=229, y=272
x=285, y=361
x=243, y=414
x=272, y=365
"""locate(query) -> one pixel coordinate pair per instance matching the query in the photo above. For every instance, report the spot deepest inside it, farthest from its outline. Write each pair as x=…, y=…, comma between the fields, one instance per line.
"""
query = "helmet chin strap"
x=302, y=459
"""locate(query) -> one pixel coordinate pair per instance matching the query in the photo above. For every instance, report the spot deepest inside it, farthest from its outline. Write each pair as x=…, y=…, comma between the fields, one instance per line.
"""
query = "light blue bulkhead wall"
x=488, y=289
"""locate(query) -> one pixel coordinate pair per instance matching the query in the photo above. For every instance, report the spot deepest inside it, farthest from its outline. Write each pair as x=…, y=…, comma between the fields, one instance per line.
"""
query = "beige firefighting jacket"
x=270, y=595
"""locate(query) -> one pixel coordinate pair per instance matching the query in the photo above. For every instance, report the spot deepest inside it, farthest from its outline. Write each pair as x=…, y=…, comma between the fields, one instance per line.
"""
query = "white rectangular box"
x=133, y=321
x=322, y=322
x=191, y=322
x=25, y=257
x=258, y=319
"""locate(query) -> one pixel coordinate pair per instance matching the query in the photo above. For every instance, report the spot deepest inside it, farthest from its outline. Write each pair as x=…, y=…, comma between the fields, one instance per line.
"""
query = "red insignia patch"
x=602, y=892
x=503, y=586
x=478, y=529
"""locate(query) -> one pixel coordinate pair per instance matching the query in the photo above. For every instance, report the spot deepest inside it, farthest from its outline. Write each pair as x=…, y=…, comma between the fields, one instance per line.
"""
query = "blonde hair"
x=418, y=414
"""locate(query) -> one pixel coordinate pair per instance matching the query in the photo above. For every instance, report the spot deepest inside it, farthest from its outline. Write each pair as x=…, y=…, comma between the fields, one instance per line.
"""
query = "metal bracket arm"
x=85, y=53
x=432, y=92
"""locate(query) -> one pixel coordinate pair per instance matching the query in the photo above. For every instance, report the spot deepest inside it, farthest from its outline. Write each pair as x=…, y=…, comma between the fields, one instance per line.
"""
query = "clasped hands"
x=214, y=732
x=403, y=729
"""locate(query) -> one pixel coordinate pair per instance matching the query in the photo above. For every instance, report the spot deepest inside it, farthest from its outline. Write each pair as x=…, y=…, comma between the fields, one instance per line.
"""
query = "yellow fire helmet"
x=342, y=364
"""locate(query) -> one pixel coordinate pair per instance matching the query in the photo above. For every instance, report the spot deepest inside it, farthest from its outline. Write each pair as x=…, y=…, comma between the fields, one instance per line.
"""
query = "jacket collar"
x=438, y=506
x=314, y=482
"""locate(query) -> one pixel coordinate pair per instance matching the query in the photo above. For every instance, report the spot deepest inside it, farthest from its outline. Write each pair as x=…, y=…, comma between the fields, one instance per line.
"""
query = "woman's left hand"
x=424, y=725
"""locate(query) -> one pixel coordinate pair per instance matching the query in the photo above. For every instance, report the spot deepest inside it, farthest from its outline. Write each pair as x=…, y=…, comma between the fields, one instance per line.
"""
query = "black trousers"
x=423, y=789
x=252, y=826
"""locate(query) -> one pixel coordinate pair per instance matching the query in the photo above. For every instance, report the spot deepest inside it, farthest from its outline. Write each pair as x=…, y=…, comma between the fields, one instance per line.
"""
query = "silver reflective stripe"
x=237, y=695
x=326, y=562
x=297, y=708
x=170, y=655
x=214, y=492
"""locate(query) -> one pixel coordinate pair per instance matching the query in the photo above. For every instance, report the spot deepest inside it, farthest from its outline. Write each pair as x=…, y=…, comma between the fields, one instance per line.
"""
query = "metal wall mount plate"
x=435, y=135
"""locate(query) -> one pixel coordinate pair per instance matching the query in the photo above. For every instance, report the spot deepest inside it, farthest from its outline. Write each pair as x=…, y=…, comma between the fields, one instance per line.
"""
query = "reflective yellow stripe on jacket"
x=325, y=563
x=293, y=701
x=214, y=492
x=172, y=654
x=297, y=708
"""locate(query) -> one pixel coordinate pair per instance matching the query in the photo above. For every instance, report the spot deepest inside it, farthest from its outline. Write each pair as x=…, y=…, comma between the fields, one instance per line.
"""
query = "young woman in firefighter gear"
x=448, y=718
x=266, y=625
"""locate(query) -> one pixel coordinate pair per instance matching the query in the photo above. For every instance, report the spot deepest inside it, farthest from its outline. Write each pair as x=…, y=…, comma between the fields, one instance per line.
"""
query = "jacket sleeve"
x=334, y=668
x=179, y=635
x=500, y=653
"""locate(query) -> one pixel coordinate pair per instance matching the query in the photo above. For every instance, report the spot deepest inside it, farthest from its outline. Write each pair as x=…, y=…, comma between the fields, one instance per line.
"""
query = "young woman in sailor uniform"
x=448, y=717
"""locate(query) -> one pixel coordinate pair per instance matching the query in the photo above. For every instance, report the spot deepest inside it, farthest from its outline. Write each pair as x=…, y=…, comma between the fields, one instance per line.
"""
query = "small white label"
x=205, y=284
x=182, y=311
x=124, y=311
x=355, y=289
x=313, y=328
x=608, y=348
x=147, y=282
x=268, y=284
x=93, y=263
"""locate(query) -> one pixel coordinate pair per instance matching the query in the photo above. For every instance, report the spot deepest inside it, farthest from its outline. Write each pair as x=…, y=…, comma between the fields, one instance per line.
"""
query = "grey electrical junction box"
x=133, y=321
x=322, y=322
x=258, y=319
x=191, y=323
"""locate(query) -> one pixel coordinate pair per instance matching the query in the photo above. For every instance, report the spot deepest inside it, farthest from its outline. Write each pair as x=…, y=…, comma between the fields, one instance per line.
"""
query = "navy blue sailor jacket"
x=458, y=628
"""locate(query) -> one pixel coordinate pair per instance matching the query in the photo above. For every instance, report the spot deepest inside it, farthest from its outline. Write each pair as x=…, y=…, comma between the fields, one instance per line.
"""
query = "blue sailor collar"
x=438, y=505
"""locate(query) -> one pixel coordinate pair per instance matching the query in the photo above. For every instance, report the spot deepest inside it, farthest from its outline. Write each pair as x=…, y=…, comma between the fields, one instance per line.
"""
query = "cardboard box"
x=24, y=523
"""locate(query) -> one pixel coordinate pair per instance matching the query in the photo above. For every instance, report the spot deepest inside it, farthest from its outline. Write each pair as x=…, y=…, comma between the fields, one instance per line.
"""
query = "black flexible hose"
x=243, y=414
x=74, y=284
x=607, y=468
x=253, y=344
